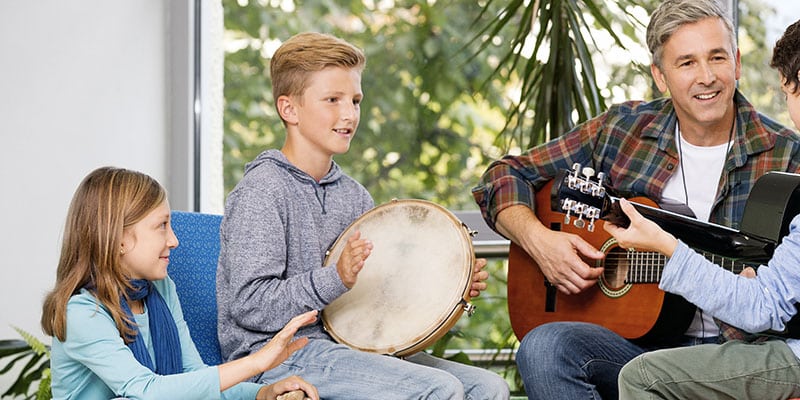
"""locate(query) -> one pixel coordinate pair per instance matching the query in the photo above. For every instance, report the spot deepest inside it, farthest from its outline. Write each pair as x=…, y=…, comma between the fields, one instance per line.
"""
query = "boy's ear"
x=286, y=109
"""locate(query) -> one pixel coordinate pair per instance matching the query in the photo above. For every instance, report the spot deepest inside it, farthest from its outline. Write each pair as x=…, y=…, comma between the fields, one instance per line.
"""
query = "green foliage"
x=760, y=83
x=36, y=368
x=452, y=85
x=426, y=124
x=551, y=48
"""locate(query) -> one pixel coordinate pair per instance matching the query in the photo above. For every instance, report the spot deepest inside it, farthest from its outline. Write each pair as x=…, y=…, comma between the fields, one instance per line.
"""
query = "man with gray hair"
x=704, y=146
x=741, y=369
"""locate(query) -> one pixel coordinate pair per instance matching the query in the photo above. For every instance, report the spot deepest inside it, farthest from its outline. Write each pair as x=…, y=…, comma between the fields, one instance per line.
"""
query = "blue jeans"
x=340, y=372
x=576, y=360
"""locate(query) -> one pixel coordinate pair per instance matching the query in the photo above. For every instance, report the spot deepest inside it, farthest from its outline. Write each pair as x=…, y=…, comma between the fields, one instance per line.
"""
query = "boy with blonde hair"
x=288, y=209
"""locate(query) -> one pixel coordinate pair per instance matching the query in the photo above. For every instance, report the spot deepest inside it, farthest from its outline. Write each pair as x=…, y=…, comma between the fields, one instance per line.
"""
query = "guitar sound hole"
x=616, y=268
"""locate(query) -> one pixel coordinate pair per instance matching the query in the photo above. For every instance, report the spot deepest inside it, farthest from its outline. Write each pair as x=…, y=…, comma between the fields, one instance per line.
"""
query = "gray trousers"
x=734, y=370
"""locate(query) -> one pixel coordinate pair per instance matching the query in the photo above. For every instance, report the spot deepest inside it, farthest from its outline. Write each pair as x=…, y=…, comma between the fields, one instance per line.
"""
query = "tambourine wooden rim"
x=342, y=318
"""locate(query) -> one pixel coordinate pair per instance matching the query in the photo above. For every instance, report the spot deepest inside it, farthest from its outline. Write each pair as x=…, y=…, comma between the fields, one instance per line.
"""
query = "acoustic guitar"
x=626, y=299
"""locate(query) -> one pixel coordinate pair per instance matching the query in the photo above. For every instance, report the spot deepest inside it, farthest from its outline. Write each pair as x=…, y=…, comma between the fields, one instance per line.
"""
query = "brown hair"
x=786, y=56
x=309, y=52
x=107, y=201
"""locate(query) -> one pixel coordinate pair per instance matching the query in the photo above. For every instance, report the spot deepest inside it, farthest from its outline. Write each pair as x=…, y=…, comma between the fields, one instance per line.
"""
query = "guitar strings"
x=647, y=267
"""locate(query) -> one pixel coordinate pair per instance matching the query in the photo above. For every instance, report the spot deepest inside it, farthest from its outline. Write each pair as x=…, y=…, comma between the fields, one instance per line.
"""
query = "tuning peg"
x=566, y=205
x=588, y=172
x=592, y=214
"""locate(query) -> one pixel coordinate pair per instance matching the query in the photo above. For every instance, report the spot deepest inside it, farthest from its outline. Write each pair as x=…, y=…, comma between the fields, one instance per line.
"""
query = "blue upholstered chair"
x=193, y=267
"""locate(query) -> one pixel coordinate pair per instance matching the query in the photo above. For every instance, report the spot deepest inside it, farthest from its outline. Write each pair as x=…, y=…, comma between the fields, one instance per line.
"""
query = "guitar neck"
x=648, y=267
x=585, y=199
x=707, y=237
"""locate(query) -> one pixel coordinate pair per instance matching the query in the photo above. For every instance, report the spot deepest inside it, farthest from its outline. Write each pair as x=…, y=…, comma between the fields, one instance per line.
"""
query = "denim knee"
x=555, y=337
x=445, y=386
x=492, y=387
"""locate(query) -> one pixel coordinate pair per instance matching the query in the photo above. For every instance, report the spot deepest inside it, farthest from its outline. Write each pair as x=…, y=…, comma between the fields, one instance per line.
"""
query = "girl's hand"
x=283, y=344
x=276, y=351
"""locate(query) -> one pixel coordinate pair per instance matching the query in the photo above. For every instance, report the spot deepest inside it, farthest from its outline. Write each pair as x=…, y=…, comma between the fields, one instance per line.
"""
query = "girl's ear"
x=286, y=109
x=127, y=242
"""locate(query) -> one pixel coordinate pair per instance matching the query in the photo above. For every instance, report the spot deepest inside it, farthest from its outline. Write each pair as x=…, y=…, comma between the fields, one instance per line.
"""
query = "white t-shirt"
x=701, y=166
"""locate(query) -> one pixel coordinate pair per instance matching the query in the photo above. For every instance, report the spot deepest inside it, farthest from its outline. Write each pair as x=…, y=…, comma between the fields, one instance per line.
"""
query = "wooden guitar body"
x=627, y=299
x=632, y=311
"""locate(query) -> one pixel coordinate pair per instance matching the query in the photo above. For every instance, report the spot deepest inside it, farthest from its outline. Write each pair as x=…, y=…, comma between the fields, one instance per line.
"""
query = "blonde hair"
x=305, y=53
x=107, y=201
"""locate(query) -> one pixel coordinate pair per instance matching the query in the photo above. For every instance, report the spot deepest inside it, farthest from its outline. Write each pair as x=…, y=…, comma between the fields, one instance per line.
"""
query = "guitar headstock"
x=582, y=196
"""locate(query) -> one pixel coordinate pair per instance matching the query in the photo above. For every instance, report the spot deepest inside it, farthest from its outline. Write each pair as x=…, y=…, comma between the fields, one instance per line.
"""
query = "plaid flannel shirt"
x=633, y=143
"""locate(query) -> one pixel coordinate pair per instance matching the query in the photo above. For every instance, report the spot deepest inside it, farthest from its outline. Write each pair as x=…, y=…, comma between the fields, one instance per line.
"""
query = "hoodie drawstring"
x=322, y=200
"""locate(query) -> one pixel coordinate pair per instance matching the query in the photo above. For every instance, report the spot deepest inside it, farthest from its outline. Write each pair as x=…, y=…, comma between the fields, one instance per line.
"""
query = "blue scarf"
x=164, y=333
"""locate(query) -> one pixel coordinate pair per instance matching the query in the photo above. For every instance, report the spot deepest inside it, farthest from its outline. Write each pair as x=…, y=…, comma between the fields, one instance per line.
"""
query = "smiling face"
x=147, y=243
x=700, y=70
x=323, y=120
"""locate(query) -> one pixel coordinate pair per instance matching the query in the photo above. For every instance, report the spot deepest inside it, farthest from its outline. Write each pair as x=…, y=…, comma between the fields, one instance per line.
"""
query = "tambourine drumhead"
x=414, y=284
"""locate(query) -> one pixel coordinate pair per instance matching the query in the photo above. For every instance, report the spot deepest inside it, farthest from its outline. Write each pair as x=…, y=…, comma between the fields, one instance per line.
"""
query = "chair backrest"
x=193, y=267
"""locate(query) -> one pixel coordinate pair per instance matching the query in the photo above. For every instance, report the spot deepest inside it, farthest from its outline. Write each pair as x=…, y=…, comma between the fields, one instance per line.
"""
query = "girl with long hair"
x=114, y=314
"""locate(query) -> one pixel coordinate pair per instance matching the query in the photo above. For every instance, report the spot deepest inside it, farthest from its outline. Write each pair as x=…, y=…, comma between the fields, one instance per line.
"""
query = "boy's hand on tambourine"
x=352, y=258
x=479, y=276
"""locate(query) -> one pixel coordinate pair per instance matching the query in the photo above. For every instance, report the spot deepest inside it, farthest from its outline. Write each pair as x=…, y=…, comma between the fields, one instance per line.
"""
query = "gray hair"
x=672, y=14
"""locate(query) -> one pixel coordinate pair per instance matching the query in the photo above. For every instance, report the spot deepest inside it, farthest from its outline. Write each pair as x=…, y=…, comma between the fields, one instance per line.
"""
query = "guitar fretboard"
x=648, y=267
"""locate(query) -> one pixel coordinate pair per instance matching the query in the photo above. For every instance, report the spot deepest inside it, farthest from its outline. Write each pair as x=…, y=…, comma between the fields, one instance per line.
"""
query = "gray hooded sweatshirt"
x=278, y=224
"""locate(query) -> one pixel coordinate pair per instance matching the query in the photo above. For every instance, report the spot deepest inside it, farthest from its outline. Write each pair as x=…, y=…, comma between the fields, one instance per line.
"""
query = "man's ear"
x=658, y=77
x=286, y=109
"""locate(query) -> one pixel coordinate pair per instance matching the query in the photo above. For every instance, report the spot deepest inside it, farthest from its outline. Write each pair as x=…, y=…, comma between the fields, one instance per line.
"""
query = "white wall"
x=82, y=85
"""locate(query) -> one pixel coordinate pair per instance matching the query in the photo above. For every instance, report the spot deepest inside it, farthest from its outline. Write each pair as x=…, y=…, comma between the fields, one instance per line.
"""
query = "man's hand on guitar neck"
x=558, y=254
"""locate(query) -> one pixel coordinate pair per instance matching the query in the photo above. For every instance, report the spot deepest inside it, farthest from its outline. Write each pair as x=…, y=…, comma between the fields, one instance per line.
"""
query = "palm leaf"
x=557, y=89
x=33, y=342
x=36, y=369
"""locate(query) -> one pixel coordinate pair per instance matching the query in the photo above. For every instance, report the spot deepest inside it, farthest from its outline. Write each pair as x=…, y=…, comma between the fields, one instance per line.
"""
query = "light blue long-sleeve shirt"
x=753, y=304
x=94, y=362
